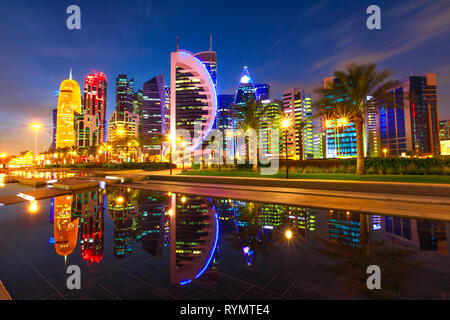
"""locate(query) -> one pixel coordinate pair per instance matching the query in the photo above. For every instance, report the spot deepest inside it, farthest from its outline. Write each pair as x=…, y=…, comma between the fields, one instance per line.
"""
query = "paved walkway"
x=416, y=189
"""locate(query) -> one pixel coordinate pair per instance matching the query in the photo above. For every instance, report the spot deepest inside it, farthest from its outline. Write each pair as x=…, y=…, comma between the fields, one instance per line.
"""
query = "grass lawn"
x=330, y=176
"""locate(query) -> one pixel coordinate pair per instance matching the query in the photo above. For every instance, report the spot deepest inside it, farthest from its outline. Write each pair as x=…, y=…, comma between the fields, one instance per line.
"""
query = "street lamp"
x=170, y=153
x=35, y=126
x=183, y=145
x=3, y=156
x=286, y=123
x=385, y=152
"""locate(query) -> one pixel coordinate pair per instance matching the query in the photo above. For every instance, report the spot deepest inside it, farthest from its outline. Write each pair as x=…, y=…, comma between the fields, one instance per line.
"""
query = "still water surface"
x=140, y=244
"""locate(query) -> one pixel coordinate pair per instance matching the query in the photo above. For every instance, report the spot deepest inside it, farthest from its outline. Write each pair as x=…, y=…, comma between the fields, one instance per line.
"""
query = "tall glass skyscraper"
x=245, y=89
x=413, y=124
x=340, y=134
x=193, y=97
x=124, y=94
x=297, y=107
x=262, y=91
x=69, y=102
x=209, y=59
x=153, y=111
x=94, y=108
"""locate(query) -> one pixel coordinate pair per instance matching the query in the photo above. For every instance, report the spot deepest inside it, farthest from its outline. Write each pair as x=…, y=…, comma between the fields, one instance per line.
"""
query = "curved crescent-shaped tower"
x=193, y=98
x=69, y=101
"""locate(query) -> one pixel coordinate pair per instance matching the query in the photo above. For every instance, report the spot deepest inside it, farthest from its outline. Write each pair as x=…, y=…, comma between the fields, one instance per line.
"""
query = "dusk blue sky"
x=284, y=43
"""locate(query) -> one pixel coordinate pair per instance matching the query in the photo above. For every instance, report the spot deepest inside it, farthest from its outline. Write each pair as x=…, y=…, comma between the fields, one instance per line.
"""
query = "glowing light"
x=170, y=212
x=183, y=199
x=245, y=79
x=286, y=123
x=120, y=200
x=36, y=126
x=288, y=234
x=33, y=207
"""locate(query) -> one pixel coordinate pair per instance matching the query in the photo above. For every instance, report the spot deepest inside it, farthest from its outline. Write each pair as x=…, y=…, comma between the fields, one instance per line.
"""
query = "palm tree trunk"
x=359, y=146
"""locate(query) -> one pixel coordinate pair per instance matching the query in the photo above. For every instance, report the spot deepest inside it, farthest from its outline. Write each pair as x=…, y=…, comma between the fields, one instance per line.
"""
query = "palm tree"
x=250, y=116
x=348, y=97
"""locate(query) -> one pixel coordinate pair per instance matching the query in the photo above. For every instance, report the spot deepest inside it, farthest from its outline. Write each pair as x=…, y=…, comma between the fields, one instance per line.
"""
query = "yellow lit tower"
x=69, y=101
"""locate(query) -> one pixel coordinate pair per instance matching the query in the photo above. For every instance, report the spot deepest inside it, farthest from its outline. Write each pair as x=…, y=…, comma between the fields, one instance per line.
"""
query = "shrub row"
x=148, y=166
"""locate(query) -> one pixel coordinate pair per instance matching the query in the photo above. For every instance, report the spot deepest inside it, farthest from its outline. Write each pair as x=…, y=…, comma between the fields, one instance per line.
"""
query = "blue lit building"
x=245, y=89
x=193, y=96
x=55, y=117
x=413, y=123
x=262, y=91
x=224, y=112
x=340, y=133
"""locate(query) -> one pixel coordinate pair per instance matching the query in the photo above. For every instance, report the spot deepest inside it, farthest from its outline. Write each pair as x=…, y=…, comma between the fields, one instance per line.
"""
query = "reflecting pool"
x=141, y=244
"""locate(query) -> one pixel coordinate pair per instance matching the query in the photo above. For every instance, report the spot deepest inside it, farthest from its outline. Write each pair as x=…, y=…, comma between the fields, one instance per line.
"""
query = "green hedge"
x=406, y=166
x=148, y=166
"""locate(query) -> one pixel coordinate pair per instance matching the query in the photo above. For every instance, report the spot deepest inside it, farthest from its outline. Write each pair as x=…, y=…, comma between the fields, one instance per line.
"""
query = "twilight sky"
x=284, y=43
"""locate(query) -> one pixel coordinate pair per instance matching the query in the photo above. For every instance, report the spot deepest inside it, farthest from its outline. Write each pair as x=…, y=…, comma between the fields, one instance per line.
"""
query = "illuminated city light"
x=288, y=234
x=33, y=207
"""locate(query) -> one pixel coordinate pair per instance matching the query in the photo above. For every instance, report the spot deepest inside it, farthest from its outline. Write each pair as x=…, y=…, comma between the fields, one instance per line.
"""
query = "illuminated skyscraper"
x=340, y=133
x=245, y=89
x=262, y=91
x=153, y=112
x=95, y=102
x=55, y=119
x=124, y=95
x=193, y=97
x=414, y=126
x=209, y=59
x=297, y=107
x=69, y=102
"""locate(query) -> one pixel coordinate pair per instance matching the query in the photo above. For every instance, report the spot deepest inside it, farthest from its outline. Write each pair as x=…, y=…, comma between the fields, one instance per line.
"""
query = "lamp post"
x=183, y=144
x=286, y=124
x=385, y=151
x=35, y=126
x=170, y=153
x=3, y=156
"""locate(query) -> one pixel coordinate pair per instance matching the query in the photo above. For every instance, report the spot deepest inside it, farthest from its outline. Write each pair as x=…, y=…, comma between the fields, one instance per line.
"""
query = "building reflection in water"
x=194, y=237
x=354, y=229
x=123, y=210
x=189, y=226
x=89, y=207
x=65, y=230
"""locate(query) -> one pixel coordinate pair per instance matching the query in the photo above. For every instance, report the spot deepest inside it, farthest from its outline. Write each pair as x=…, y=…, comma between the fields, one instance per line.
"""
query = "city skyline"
x=298, y=52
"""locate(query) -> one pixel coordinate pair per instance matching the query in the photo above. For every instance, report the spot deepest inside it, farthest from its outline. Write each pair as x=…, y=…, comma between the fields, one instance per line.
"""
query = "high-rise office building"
x=372, y=133
x=122, y=127
x=340, y=133
x=245, y=89
x=444, y=129
x=224, y=112
x=95, y=101
x=55, y=119
x=167, y=110
x=209, y=60
x=262, y=91
x=153, y=112
x=412, y=125
x=124, y=94
x=193, y=97
x=297, y=107
x=69, y=102
x=269, y=123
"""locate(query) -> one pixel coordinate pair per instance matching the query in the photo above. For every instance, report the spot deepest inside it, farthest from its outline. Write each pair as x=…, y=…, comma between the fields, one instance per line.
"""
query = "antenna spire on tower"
x=70, y=74
x=210, y=43
x=177, y=43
